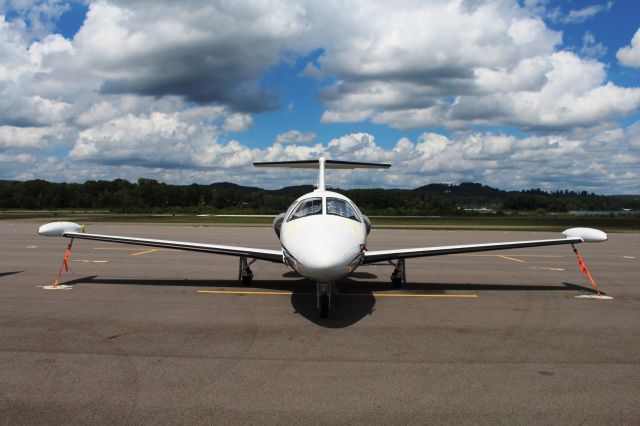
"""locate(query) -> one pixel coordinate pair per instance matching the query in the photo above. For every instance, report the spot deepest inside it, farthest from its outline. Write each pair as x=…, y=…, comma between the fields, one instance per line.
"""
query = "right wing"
x=73, y=230
x=383, y=255
x=573, y=236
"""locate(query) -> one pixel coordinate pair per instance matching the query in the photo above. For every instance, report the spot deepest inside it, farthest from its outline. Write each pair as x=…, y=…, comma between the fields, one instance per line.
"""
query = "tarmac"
x=147, y=336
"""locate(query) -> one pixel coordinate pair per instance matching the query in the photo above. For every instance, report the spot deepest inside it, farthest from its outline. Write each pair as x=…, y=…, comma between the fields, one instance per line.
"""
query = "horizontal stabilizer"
x=328, y=164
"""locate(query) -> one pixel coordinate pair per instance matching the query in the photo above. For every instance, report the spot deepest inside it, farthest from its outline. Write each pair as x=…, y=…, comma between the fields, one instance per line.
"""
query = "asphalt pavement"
x=148, y=336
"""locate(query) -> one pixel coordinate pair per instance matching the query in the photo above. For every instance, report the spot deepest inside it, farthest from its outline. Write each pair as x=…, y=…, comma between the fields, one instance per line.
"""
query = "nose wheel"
x=323, y=294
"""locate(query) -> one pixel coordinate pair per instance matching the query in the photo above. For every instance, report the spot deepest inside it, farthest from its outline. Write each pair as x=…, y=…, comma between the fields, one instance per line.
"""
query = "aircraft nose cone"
x=328, y=262
x=324, y=247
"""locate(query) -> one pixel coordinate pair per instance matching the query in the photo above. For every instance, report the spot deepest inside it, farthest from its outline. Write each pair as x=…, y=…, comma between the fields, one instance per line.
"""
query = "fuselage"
x=323, y=235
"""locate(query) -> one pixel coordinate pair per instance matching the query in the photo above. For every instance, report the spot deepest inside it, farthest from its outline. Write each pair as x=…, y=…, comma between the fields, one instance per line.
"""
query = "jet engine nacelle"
x=367, y=223
x=277, y=224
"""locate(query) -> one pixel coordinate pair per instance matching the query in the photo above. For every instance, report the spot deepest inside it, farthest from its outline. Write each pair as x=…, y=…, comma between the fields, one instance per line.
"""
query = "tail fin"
x=322, y=164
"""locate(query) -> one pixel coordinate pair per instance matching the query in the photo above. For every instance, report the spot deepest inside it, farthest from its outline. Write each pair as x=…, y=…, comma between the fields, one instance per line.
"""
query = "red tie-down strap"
x=65, y=263
x=585, y=271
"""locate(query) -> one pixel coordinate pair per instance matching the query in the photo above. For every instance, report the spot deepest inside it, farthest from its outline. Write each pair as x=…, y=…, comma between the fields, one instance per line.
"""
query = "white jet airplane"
x=323, y=237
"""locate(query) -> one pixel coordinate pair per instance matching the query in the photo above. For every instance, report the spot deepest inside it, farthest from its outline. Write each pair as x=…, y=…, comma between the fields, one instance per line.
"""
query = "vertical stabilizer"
x=321, y=185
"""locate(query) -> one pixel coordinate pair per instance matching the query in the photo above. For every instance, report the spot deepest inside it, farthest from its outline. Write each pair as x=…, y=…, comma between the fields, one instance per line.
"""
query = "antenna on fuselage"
x=322, y=164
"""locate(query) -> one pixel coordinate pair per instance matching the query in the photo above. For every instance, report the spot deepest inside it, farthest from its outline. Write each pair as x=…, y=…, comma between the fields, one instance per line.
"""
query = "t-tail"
x=322, y=164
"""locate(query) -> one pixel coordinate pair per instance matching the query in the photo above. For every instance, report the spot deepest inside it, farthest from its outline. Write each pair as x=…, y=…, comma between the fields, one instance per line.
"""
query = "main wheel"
x=324, y=305
x=396, y=281
x=246, y=280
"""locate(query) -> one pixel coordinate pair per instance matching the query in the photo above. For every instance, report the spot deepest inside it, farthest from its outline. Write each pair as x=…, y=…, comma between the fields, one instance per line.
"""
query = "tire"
x=246, y=280
x=324, y=306
x=397, y=282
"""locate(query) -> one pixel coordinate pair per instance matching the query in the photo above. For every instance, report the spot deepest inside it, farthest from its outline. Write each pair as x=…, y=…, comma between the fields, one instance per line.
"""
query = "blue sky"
x=513, y=94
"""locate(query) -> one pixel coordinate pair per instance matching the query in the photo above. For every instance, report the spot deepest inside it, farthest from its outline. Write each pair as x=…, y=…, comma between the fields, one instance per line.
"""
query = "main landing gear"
x=323, y=294
x=244, y=274
x=399, y=274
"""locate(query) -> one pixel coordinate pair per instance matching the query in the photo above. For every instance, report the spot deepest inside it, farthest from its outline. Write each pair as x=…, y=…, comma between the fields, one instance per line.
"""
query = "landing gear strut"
x=399, y=275
x=244, y=274
x=323, y=294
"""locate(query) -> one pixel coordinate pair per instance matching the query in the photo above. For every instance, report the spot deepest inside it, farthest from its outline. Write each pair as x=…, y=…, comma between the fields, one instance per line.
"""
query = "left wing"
x=572, y=236
x=73, y=230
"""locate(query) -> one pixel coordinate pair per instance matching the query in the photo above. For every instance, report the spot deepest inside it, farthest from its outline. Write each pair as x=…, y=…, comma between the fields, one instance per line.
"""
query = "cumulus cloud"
x=207, y=53
x=237, y=123
x=554, y=161
x=630, y=55
x=165, y=140
x=494, y=64
x=28, y=91
x=163, y=151
x=560, y=91
x=22, y=138
x=295, y=136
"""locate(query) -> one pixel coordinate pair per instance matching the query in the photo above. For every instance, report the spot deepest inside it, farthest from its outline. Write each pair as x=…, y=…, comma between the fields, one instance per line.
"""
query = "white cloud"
x=208, y=53
x=560, y=91
x=592, y=48
x=583, y=161
x=24, y=138
x=630, y=55
x=30, y=92
x=495, y=64
x=237, y=123
x=295, y=136
x=163, y=140
x=580, y=15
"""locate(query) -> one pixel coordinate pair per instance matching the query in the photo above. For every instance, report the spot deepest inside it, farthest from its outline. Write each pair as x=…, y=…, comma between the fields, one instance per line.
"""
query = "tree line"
x=151, y=196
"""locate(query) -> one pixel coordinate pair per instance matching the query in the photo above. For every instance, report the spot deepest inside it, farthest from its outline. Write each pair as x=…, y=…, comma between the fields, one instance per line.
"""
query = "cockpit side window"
x=338, y=207
x=307, y=207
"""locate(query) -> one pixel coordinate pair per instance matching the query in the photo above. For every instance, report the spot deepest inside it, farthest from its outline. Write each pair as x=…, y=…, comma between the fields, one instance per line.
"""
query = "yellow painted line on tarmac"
x=541, y=255
x=144, y=252
x=519, y=255
x=116, y=248
x=444, y=296
x=137, y=250
x=270, y=293
x=289, y=293
x=501, y=256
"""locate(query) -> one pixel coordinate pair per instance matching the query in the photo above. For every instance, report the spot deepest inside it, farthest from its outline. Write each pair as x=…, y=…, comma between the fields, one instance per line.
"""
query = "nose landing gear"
x=323, y=295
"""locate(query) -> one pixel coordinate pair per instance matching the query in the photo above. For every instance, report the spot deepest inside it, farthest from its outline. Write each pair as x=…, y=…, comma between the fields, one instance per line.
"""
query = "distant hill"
x=292, y=190
x=463, y=189
x=234, y=186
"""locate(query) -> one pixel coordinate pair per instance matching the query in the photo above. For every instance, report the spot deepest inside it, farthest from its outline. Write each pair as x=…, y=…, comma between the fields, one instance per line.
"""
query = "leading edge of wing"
x=382, y=255
x=262, y=254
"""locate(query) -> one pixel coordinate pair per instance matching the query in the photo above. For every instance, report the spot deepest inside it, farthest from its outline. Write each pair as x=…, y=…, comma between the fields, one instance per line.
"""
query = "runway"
x=154, y=336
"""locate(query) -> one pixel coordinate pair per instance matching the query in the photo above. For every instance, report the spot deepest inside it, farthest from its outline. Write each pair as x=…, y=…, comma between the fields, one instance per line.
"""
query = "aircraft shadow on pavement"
x=352, y=299
x=345, y=311
x=4, y=274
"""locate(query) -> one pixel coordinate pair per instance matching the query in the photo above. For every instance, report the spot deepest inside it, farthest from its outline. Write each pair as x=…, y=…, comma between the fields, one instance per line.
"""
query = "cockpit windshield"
x=307, y=207
x=338, y=207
